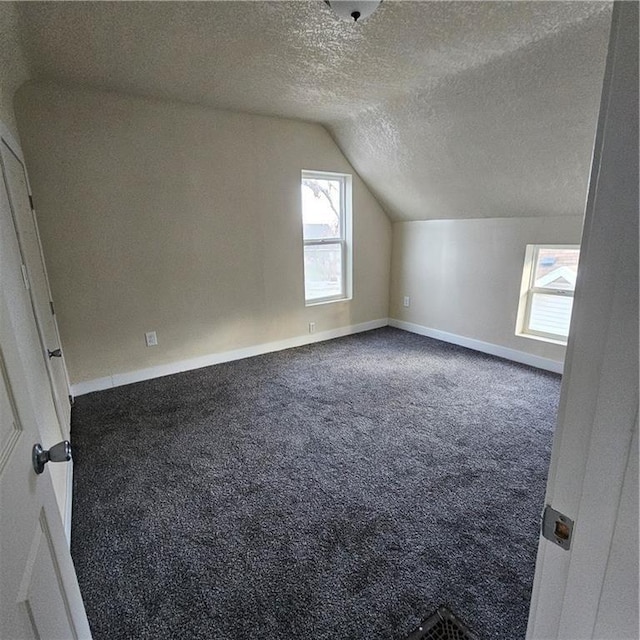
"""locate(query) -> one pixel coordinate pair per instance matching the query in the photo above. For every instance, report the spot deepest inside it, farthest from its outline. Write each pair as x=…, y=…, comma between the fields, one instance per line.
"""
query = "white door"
x=39, y=594
x=591, y=590
x=23, y=279
x=20, y=200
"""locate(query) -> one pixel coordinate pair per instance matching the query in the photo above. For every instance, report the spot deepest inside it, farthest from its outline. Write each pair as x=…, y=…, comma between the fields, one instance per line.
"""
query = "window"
x=326, y=224
x=548, y=283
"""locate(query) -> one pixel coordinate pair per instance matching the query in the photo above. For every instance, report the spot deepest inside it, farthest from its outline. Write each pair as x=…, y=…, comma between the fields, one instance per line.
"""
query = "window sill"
x=532, y=336
x=316, y=303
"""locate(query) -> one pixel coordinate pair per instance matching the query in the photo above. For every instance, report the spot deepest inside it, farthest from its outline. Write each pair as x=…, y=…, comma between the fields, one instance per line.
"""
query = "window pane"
x=550, y=314
x=321, y=208
x=556, y=268
x=322, y=271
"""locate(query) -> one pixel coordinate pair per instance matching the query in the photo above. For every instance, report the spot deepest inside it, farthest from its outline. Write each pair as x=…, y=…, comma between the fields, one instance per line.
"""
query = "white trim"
x=8, y=142
x=529, y=288
x=598, y=409
x=9, y=137
x=535, y=336
x=68, y=504
x=344, y=238
x=478, y=345
x=119, y=379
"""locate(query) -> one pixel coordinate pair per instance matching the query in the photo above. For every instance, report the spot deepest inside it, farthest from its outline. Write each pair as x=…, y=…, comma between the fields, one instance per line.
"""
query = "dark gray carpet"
x=341, y=491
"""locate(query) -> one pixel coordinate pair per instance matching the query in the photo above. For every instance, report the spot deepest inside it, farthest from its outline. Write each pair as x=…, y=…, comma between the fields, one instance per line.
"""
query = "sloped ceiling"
x=445, y=109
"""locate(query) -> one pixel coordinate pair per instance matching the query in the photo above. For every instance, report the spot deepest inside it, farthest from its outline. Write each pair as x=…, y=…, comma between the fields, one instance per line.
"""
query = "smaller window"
x=326, y=224
x=548, y=284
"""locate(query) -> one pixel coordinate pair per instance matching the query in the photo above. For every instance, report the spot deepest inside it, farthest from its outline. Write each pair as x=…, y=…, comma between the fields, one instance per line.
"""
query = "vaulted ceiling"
x=445, y=109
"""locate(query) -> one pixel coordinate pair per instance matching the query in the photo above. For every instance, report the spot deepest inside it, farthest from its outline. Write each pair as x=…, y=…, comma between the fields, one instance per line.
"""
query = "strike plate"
x=557, y=527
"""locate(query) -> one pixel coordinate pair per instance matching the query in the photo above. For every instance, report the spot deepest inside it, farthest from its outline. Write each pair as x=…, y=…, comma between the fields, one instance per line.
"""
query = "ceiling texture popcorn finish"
x=446, y=109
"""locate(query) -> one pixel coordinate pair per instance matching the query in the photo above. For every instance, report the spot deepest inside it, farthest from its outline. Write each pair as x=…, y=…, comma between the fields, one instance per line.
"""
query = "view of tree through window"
x=324, y=222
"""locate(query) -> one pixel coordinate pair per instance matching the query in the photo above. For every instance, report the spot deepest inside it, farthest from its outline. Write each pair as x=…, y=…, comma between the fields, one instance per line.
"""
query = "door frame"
x=40, y=594
x=14, y=147
x=595, y=443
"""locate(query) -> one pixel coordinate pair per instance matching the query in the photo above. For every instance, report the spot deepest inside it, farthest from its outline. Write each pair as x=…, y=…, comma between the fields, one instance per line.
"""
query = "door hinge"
x=53, y=311
x=31, y=202
x=557, y=527
x=25, y=277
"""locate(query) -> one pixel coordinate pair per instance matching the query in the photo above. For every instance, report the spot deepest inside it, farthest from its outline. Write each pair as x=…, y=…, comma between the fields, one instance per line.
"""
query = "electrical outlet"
x=312, y=327
x=406, y=302
x=151, y=338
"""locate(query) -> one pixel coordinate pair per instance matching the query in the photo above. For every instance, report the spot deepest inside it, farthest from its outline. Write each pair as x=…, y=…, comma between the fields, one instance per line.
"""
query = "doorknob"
x=60, y=452
x=56, y=353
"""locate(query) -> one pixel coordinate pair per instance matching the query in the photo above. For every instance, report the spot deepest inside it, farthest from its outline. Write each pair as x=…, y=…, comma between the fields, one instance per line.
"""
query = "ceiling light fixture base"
x=353, y=10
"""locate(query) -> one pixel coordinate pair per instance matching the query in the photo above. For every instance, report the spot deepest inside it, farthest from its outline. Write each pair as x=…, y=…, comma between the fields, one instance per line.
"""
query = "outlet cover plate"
x=151, y=338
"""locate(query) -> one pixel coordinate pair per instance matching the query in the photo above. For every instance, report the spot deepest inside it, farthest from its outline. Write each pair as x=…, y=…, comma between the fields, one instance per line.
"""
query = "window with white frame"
x=326, y=224
x=548, y=284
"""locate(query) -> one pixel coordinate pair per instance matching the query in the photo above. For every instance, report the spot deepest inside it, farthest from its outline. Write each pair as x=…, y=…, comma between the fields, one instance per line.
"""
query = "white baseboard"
x=478, y=345
x=119, y=379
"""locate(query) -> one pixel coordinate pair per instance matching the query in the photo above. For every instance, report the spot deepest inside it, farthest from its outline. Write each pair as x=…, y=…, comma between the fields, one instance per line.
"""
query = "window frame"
x=344, y=239
x=528, y=290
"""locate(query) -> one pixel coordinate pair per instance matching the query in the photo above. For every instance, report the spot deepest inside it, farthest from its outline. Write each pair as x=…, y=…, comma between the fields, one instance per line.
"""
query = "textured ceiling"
x=446, y=109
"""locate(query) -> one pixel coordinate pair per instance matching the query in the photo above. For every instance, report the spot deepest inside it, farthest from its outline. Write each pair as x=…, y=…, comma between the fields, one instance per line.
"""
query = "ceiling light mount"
x=353, y=10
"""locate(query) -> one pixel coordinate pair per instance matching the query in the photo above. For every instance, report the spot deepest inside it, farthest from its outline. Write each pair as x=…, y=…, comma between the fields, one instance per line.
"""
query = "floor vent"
x=442, y=625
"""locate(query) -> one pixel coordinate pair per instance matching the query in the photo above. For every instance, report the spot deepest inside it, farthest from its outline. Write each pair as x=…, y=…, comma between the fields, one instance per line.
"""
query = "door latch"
x=56, y=353
x=60, y=452
x=557, y=527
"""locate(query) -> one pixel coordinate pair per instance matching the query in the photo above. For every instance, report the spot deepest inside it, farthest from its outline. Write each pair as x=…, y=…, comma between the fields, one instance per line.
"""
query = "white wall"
x=464, y=276
x=183, y=220
x=13, y=67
